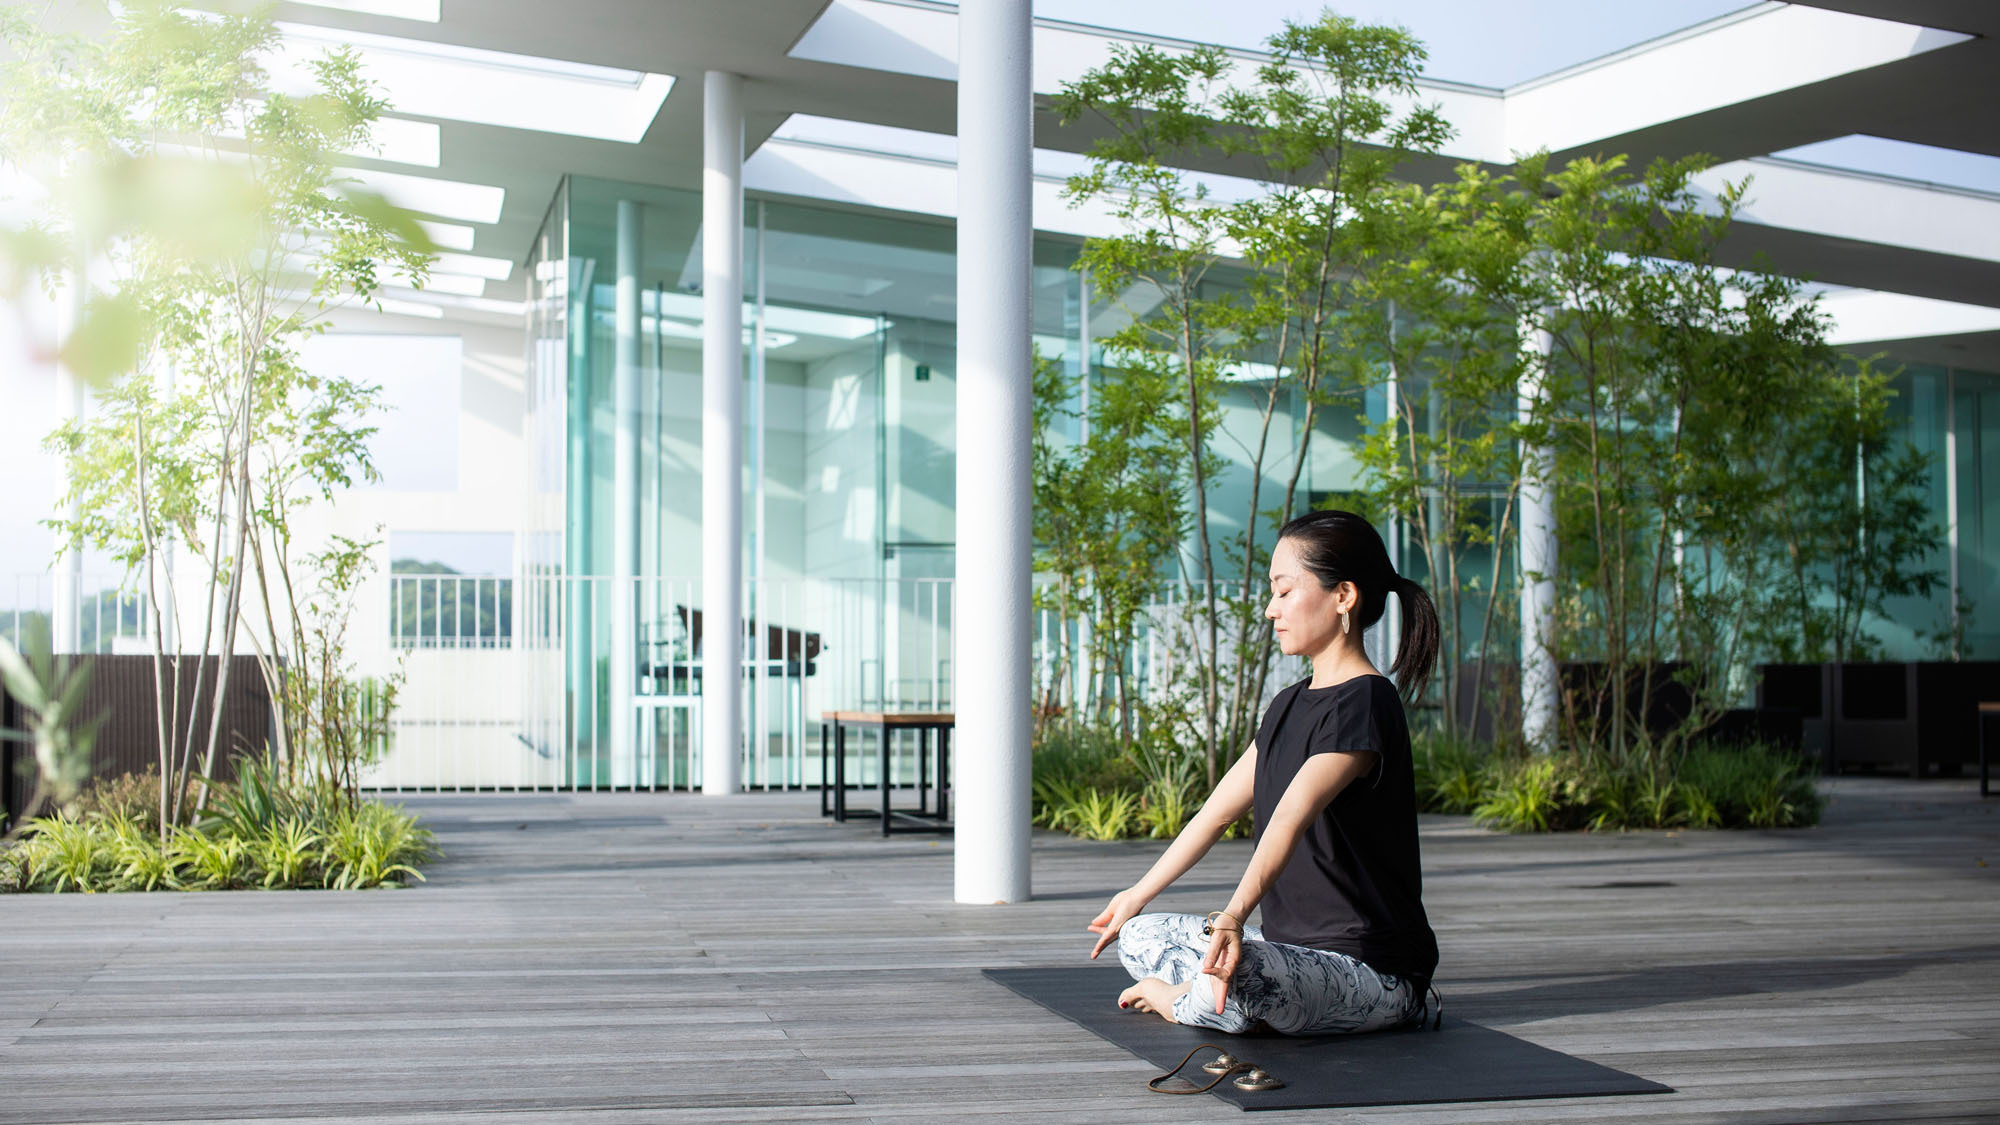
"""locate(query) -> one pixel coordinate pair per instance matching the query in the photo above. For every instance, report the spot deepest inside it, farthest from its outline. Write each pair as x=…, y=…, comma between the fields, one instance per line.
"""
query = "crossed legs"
x=1288, y=988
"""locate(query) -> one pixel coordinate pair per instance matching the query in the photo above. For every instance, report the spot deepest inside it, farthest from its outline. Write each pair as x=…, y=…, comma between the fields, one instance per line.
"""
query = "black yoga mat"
x=1462, y=1063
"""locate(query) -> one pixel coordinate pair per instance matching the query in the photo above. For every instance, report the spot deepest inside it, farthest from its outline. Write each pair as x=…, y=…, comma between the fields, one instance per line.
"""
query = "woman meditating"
x=1345, y=945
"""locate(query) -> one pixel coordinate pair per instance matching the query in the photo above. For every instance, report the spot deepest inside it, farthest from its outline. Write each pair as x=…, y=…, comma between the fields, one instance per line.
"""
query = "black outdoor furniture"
x=1989, y=712
x=1805, y=690
x=1918, y=717
x=833, y=788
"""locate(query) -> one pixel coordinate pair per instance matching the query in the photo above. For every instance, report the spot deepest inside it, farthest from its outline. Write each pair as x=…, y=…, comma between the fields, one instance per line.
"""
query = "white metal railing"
x=451, y=611
x=603, y=680
x=554, y=682
x=112, y=616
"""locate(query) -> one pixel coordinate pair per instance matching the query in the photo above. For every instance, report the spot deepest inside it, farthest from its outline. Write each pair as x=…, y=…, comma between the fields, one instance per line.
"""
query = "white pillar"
x=995, y=238
x=721, y=432
x=625, y=500
x=1951, y=506
x=1085, y=682
x=1392, y=530
x=1538, y=551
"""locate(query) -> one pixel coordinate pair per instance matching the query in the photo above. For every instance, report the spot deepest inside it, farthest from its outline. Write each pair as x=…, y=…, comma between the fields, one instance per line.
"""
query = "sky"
x=1480, y=42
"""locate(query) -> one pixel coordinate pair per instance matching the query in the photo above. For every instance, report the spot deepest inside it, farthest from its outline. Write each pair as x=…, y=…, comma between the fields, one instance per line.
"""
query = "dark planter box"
x=1920, y=717
x=1488, y=699
x=1780, y=727
x=1805, y=690
x=121, y=690
x=1489, y=695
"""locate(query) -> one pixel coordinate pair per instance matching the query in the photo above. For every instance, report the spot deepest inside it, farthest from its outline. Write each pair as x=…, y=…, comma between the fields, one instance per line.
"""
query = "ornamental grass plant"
x=1091, y=784
x=1707, y=786
x=259, y=832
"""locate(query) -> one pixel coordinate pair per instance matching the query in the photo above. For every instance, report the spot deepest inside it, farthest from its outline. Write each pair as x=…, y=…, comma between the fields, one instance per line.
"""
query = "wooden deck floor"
x=641, y=958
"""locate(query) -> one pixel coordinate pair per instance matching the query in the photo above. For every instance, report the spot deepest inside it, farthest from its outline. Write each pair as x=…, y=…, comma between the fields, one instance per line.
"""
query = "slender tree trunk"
x=149, y=550
x=1210, y=669
x=233, y=603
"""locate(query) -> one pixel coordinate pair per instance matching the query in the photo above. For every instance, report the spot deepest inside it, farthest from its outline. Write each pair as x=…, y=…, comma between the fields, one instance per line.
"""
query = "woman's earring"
x=1343, y=623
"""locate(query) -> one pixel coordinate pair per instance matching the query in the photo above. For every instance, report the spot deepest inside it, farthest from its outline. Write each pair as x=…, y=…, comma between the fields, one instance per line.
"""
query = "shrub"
x=1166, y=804
x=131, y=797
x=333, y=843
x=287, y=853
x=260, y=800
x=1752, y=786
x=368, y=845
x=61, y=853
x=210, y=863
x=1451, y=773
x=144, y=863
x=1527, y=796
x=1098, y=814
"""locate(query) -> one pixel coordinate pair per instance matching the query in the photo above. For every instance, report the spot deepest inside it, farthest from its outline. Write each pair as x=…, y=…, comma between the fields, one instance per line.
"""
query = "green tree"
x=1446, y=273
x=209, y=433
x=1107, y=515
x=1316, y=129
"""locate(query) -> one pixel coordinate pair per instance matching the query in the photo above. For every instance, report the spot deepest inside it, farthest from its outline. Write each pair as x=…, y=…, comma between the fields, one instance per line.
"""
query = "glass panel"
x=1976, y=418
x=1917, y=628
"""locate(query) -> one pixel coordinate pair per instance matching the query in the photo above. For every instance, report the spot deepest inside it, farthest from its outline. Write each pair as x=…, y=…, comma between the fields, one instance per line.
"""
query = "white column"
x=625, y=500
x=995, y=237
x=1538, y=551
x=721, y=433
x=1392, y=530
x=1085, y=682
x=1951, y=504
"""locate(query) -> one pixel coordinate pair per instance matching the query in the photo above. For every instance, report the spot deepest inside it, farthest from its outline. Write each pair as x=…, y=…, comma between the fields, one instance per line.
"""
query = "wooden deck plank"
x=633, y=957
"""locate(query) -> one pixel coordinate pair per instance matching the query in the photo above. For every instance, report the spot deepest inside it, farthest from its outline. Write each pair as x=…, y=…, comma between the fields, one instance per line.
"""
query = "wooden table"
x=924, y=819
x=1986, y=711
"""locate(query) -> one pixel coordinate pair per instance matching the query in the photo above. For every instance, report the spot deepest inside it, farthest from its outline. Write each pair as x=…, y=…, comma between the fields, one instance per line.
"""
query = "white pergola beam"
x=1740, y=57
x=1863, y=207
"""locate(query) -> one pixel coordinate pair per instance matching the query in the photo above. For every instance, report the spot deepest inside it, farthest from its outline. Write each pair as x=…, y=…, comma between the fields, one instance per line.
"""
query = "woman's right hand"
x=1123, y=907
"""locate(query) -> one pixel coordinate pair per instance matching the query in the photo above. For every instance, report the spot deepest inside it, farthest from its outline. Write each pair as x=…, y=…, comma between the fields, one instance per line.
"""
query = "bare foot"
x=1154, y=995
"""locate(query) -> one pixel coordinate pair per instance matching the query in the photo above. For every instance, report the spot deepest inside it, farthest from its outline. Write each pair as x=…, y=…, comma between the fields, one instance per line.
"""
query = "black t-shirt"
x=1354, y=885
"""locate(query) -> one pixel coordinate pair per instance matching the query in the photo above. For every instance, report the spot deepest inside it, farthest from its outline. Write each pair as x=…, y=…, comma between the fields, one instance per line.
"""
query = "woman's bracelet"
x=1208, y=926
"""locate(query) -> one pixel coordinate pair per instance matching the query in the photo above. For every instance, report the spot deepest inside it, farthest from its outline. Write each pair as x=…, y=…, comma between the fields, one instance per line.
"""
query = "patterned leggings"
x=1288, y=988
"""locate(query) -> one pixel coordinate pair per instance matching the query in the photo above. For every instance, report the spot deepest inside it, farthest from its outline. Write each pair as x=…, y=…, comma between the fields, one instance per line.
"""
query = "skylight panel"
x=426, y=11
x=447, y=236
x=489, y=87
x=447, y=199
x=436, y=282
x=402, y=141
x=474, y=265
x=1905, y=160
x=409, y=308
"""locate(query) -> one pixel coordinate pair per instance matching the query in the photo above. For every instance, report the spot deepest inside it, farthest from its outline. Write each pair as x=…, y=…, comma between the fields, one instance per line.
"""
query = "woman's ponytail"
x=1417, y=651
x=1338, y=547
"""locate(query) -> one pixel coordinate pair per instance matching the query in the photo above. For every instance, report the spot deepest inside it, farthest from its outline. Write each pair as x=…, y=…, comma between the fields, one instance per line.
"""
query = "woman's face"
x=1304, y=614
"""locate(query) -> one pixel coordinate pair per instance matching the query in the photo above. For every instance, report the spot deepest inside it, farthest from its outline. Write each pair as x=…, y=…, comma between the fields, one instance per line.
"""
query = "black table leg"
x=839, y=771
x=1982, y=753
x=884, y=736
x=944, y=772
x=825, y=798
x=923, y=771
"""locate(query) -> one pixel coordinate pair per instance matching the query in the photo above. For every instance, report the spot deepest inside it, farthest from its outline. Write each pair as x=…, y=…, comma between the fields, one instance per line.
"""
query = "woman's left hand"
x=1225, y=952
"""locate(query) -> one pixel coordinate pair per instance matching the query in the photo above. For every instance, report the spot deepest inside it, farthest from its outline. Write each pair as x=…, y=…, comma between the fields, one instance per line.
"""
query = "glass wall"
x=1952, y=417
x=1974, y=456
x=849, y=494
x=850, y=432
